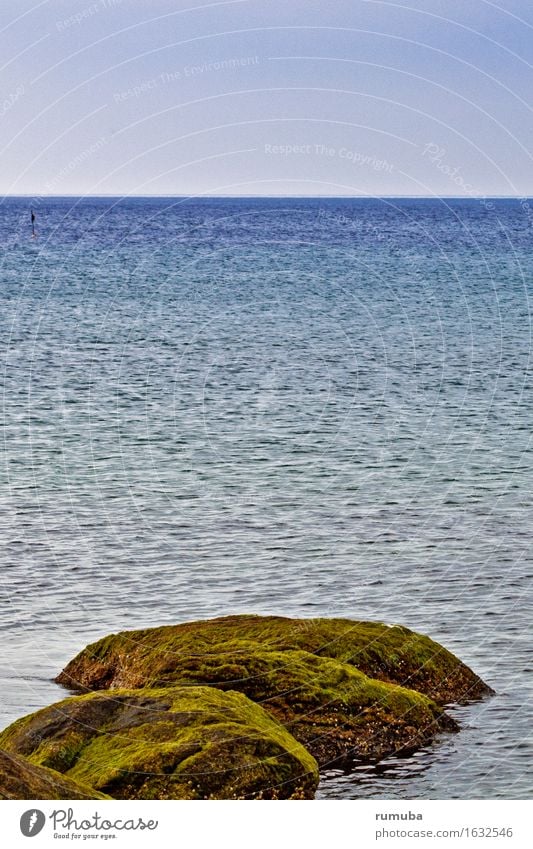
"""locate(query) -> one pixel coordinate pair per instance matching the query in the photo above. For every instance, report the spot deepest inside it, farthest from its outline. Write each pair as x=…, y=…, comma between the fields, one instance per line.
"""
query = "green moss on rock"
x=344, y=689
x=162, y=655
x=172, y=743
x=20, y=779
x=335, y=710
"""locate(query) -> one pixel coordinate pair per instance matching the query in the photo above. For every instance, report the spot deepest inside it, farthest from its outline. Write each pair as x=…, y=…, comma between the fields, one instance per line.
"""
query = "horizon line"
x=37, y=196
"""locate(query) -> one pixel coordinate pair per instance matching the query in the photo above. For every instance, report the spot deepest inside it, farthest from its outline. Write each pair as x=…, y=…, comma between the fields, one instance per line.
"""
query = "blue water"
x=308, y=407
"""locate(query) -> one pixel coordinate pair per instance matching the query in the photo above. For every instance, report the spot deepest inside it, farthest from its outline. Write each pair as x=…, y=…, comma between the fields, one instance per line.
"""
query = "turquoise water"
x=307, y=407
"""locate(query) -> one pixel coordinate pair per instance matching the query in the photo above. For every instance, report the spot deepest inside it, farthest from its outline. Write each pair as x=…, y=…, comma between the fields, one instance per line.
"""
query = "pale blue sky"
x=304, y=97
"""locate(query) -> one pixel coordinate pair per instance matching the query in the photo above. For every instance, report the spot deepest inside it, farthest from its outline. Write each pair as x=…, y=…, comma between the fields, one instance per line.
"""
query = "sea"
x=297, y=406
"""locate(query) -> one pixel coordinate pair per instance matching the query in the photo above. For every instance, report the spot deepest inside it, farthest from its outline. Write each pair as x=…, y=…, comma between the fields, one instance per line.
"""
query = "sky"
x=266, y=97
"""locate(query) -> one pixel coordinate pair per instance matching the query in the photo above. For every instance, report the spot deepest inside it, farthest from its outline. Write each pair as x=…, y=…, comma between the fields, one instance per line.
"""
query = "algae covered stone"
x=328, y=706
x=20, y=779
x=344, y=689
x=162, y=655
x=172, y=743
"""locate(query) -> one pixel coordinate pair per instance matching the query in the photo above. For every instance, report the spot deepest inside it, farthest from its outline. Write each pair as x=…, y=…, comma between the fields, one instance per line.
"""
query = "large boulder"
x=20, y=779
x=159, y=656
x=344, y=689
x=172, y=743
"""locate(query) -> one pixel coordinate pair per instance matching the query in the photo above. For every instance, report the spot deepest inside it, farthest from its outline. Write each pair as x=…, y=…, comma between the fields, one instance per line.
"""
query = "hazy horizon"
x=473, y=198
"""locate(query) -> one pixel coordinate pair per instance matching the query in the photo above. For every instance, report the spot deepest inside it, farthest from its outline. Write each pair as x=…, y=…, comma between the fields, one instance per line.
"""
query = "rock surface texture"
x=20, y=779
x=164, y=655
x=176, y=743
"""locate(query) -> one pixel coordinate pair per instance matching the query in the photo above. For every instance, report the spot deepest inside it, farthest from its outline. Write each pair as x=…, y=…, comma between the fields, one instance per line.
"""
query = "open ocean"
x=313, y=407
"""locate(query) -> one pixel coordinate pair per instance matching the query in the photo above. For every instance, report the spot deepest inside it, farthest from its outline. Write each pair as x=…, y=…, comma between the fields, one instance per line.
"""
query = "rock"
x=162, y=655
x=20, y=779
x=344, y=689
x=171, y=743
x=330, y=707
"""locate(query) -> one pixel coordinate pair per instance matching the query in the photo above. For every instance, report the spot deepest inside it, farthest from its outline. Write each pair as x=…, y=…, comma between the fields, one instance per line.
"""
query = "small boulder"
x=172, y=743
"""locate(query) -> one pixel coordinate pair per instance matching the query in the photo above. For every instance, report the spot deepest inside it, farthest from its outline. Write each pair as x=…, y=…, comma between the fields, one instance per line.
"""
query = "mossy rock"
x=20, y=779
x=171, y=743
x=344, y=689
x=335, y=710
x=164, y=655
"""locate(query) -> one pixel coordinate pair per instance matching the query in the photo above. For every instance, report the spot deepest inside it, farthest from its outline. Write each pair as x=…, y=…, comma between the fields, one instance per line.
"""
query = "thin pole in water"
x=33, y=224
